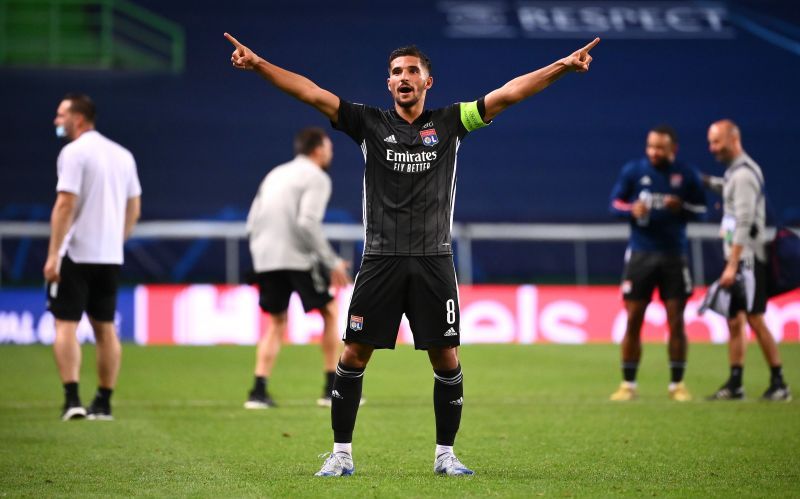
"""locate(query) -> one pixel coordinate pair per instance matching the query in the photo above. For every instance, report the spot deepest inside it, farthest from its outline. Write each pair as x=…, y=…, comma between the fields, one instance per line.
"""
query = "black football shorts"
x=424, y=288
x=645, y=271
x=88, y=287
x=759, y=304
x=276, y=287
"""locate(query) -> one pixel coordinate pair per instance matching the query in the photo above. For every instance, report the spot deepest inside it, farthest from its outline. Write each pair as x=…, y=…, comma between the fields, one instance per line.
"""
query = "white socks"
x=443, y=449
x=346, y=448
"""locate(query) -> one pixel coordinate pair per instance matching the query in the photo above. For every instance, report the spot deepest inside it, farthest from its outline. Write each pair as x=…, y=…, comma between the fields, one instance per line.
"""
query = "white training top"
x=285, y=219
x=103, y=175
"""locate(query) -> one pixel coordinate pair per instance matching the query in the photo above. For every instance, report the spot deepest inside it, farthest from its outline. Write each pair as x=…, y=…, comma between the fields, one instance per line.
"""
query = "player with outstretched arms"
x=408, y=196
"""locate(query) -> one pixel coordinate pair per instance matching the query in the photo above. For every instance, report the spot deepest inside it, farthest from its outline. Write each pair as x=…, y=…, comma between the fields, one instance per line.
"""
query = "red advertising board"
x=209, y=314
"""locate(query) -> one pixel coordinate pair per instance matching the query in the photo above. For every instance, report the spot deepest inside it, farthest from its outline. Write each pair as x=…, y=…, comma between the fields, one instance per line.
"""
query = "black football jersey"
x=410, y=175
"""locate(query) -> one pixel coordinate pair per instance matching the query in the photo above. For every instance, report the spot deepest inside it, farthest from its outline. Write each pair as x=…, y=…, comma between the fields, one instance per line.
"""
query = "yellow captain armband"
x=470, y=116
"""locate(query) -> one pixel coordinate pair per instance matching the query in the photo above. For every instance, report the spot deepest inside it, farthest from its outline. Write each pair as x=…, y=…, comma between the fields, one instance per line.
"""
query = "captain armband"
x=471, y=116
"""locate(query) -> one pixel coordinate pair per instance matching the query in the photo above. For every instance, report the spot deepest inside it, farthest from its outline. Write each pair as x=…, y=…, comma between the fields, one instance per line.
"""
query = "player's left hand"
x=50, y=269
x=242, y=57
x=673, y=203
x=728, y=277
x=579, y=60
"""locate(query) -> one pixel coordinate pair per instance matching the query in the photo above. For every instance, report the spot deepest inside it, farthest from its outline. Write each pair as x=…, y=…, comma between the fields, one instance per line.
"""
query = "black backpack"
x=783, y=268
x=783, y=254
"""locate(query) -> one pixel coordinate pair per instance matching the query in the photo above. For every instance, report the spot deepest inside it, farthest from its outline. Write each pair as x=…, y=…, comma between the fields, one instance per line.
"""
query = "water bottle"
x=647, y=198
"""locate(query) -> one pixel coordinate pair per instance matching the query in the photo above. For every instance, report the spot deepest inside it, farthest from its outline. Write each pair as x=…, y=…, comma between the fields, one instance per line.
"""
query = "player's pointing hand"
x=580, y=59
x=242, y=57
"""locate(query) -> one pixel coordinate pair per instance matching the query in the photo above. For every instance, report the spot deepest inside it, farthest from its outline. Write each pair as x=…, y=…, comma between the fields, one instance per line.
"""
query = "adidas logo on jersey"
x=390, y=139
x=458, y=401
x=451, y=332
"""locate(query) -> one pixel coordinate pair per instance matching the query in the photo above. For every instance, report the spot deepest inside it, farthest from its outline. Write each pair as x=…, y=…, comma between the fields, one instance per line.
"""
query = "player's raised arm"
x=293, y=84
x=524, y=86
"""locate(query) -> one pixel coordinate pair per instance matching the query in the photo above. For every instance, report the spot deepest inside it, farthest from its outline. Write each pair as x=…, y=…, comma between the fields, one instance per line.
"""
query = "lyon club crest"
x=429, y=137
x=675, y=180
x=356, y=323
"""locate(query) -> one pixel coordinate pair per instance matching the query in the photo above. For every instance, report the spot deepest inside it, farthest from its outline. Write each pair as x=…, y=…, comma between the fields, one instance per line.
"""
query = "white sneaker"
x=72, y=411
x=448, y=464
x=337, y=464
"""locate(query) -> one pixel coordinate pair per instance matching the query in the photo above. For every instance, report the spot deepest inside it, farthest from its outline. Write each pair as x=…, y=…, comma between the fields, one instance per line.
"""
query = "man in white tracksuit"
x=290, y=254
x=743, y=232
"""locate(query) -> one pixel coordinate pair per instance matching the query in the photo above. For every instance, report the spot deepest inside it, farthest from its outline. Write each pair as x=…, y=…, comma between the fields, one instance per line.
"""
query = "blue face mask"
x=61, y=132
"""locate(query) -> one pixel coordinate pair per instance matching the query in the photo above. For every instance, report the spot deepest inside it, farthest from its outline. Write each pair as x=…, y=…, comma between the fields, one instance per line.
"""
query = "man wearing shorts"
x=658, y=195
x=290, y=254
x=408, y=196
x=743, y=232
x=97, y=205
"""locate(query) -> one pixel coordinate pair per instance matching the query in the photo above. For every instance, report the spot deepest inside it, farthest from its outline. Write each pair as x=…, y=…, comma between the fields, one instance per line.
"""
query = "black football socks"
x=71, y=396
x=735, y=381
x=677, y=368
x=629, y=369
x=345, y=399
x=448, y=400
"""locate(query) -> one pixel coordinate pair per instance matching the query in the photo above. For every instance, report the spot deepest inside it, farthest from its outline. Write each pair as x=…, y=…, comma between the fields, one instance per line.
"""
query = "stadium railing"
x=348, y=235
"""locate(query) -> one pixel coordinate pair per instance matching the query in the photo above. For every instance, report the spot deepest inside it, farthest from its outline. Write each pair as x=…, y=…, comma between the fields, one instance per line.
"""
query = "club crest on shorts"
x=356, y=323
x=429, y=137
x=627, y=286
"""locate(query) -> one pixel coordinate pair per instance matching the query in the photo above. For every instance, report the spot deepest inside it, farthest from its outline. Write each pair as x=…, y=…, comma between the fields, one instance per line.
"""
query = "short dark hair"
x=308, y=139
x=664, y=129
x=82, y=104
x=413, y=51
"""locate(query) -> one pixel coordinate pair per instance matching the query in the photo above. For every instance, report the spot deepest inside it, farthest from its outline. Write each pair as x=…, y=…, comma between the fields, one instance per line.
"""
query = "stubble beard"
x=406, y=104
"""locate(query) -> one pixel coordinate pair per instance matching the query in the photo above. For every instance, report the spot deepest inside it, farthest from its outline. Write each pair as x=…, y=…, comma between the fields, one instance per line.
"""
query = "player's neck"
x=80, y=131
x=410, y=114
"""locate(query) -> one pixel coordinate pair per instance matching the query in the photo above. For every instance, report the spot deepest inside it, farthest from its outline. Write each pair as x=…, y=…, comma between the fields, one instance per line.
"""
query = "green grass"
x=536, y=423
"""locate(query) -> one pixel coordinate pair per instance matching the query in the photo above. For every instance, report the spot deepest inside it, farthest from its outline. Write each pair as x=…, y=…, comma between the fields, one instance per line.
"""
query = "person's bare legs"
x=269, y=345
x=777, y=389
x=631, y=350
x=109, y=353
x=678, y=344
x=737, y=342
x=677, y=349
x=330, y=348
x=631, y=347
x=108, y=358
x=67, y=351
x=765, y=339
x=737, y=345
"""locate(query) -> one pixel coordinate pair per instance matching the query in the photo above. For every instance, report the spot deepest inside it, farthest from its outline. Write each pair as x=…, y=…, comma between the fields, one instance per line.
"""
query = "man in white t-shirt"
x=290, y=254
x=97, y=204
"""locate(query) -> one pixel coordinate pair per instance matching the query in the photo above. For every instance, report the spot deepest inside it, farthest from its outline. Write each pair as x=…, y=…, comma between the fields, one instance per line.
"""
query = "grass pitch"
x=536, y=423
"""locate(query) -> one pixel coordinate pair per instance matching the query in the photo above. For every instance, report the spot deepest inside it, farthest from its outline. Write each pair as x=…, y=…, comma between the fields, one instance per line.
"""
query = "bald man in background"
x=743, y=232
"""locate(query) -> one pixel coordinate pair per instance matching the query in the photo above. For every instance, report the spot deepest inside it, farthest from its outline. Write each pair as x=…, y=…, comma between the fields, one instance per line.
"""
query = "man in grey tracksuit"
x=290, y=254
x=743, y=233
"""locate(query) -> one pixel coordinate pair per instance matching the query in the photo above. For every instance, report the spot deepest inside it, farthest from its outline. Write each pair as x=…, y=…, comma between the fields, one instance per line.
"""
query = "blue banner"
x=25, y=320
